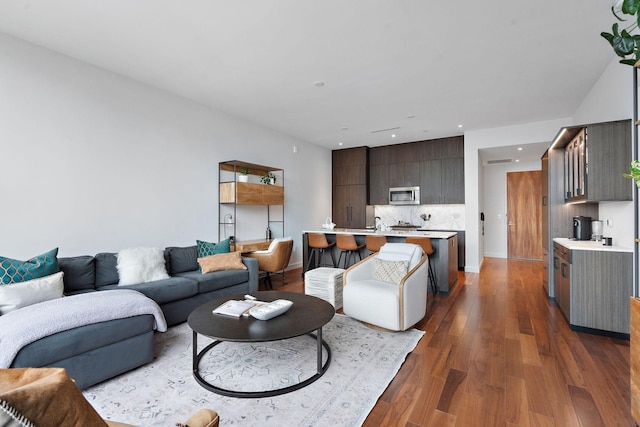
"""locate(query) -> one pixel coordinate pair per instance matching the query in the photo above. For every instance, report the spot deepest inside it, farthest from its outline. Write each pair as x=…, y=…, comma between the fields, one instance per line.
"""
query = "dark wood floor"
x=497, y=352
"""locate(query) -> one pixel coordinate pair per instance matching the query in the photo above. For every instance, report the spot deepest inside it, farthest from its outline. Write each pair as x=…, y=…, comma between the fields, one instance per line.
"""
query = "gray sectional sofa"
x=96, y=352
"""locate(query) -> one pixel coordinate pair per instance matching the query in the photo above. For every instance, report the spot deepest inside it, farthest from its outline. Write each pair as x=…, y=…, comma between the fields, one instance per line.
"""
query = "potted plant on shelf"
x=244, y=175
x=268, y=179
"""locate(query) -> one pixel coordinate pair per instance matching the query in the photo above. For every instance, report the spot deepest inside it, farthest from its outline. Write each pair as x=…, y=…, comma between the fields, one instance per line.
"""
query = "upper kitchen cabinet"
x=437, y=166
x=350, y=187
x=595, y=157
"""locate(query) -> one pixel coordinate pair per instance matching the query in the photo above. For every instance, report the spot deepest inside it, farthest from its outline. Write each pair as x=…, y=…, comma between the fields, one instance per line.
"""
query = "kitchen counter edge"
x=390, y=233
x=588, y=245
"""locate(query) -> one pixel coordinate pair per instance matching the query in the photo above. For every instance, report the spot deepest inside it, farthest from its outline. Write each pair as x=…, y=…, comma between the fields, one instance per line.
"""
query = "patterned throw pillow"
x=389, y=271
x=14, y=271
x=205, y=248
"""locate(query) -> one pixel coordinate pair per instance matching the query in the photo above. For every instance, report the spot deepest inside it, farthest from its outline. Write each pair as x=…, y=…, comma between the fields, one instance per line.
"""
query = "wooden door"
x=524, y=224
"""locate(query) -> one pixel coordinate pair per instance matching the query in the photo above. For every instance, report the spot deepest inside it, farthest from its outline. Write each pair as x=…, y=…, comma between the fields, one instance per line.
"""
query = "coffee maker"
x=581, y=228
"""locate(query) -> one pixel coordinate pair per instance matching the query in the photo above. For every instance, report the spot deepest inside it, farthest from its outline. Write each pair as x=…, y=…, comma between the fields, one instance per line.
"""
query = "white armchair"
x=388, y=289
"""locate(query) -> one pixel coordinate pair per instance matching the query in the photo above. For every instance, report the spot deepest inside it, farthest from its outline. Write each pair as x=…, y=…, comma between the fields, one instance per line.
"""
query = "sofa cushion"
x=219, y=262
x=163, y=291
x=80, y=340
x=14, y=270
x=182, y=259
x=22, y=294
x=141, y=265
x=79, y=273
x=217, y=280
x=208, y=248
x=106, y=269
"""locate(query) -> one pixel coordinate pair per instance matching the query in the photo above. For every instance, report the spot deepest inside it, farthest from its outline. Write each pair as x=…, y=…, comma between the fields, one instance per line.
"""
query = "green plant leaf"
x=630, y=7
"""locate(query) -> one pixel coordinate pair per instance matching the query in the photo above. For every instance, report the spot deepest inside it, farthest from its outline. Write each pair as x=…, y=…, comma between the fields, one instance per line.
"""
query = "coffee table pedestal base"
x=322, y=368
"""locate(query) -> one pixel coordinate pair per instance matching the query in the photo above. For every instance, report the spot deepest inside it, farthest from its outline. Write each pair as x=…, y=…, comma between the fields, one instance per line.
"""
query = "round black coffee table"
x=307, y=314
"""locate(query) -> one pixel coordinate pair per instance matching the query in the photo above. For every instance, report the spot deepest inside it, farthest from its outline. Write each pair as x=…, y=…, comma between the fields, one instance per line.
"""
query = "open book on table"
x=236, y=308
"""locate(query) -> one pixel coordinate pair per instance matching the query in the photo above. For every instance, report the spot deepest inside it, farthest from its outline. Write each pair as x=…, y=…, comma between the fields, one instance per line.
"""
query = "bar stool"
x=318, y=244
x=374, y=243
x=425, y=243
x=348, y=247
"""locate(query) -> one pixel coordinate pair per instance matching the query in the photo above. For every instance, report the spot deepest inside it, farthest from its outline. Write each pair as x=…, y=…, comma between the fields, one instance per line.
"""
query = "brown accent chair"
x=319, y=245
x=348, y=247
x=427, y=247
x=274, y=259
x=49, y=397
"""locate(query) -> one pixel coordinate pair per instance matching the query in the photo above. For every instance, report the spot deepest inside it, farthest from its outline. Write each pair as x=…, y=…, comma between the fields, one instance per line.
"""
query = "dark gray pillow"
x=106, y=269
x=79, y=273
x=182, y=259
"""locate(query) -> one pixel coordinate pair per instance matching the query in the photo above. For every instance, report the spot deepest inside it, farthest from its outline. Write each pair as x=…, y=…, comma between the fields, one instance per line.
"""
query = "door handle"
x=544, y=200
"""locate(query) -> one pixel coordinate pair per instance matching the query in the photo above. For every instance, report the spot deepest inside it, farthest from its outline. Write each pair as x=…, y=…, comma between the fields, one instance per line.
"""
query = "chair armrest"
x=362, y=270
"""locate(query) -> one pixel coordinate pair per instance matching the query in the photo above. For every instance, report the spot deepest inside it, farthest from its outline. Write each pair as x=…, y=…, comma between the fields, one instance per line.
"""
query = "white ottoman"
x=325, y=283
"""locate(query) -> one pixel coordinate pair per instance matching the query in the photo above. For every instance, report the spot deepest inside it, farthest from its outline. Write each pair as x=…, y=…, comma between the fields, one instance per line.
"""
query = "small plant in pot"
x=244, y=175
x=268, y=179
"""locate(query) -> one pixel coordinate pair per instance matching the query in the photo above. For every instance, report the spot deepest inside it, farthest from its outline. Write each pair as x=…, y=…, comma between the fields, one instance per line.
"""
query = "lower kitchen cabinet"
x=445, y=263
x=592, y=288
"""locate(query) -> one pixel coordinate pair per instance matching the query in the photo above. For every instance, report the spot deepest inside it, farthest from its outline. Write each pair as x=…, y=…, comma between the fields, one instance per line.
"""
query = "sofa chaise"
x=96, y=351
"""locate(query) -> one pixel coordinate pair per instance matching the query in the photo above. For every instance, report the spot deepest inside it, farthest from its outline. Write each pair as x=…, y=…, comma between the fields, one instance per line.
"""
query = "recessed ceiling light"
x=340, y=144
x=459, y=126
x=517, y=160
x=393, y=135
x=318, y=84
x=519, y=148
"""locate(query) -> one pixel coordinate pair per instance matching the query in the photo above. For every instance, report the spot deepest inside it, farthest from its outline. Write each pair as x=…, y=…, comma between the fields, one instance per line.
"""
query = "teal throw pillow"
x=206, y=248
x=14, y=270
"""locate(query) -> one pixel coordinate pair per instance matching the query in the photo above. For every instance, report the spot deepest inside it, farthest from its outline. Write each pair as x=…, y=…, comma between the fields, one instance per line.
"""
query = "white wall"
x=93, y=161
x=495, y=205
x=473, y=174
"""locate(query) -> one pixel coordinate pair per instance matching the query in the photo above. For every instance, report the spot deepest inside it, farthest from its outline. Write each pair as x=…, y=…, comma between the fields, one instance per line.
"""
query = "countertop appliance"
x=582, y=228
x=404, y=195
x=596, y=230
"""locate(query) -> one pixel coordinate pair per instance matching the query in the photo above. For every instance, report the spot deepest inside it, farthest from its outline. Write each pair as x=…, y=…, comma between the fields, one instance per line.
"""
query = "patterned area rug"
x=364, y=361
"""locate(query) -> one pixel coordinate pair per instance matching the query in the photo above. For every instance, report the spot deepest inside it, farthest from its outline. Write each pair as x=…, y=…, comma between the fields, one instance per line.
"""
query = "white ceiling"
x=421, y=66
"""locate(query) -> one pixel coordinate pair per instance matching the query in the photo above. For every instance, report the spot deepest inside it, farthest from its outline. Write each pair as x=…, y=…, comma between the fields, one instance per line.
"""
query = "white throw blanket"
x=28, y=324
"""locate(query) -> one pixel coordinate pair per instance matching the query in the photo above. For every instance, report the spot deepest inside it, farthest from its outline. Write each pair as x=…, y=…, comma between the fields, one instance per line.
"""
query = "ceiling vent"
x=385, y=130
x=499, y=161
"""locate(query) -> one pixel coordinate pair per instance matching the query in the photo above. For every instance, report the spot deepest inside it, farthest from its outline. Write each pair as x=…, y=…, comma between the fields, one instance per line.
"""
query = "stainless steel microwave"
x=404, y=196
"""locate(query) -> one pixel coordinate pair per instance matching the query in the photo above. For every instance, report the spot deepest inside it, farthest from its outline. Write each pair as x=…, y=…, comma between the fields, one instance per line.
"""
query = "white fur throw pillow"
x=22, y=294
x=140, y=265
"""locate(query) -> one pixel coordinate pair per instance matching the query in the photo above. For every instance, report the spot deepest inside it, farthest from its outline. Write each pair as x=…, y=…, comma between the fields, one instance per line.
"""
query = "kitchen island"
x=444, y=260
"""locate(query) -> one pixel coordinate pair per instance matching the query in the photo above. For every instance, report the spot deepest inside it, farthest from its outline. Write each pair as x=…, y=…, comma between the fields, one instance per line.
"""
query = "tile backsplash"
x=443, y=217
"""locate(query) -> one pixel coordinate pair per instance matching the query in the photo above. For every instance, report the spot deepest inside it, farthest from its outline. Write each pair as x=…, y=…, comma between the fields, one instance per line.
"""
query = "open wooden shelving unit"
x=232, y=194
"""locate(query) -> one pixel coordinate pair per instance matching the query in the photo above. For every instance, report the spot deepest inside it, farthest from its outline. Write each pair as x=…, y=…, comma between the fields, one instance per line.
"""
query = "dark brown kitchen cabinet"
x=349, y=206
x=404, y=174
x=453, y=180
x=430, y=182
x=378, y=184
x=350, y=187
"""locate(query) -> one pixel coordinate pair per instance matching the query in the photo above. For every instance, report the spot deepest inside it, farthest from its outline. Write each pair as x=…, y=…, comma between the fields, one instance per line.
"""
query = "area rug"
x=163, y=392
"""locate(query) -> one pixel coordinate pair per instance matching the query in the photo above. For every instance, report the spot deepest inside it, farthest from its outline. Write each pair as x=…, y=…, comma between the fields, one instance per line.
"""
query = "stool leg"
x=311, y=257
x=333, y=258
x=432, y=278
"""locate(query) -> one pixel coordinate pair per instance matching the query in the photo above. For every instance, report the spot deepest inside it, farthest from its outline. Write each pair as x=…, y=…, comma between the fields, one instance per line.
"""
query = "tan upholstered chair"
x=377, y=291
x=427, y=247
x=49, y=397
x=274, y=259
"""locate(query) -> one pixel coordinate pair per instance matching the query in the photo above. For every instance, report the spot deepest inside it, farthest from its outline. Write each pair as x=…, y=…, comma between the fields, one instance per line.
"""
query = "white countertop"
x=588, y=245
x=394, y=233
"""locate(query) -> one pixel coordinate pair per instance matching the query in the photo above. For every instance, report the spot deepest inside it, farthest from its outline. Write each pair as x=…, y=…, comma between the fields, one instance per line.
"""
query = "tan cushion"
x=203, y=418
x=230, y=261
x=47, y=397
x=390, y=271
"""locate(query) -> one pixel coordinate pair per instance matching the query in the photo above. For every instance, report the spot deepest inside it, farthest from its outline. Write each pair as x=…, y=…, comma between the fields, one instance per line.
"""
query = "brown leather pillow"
x=230, y=261
x=47, y=397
